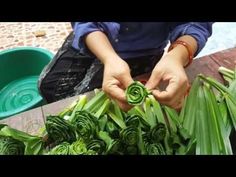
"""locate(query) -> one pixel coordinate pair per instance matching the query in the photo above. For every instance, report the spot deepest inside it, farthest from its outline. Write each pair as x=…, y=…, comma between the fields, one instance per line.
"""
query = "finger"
x=188, y=89
x=115, y=92
x=175, y=103
x=126, y=80
x=178, y=108
x=153, y=81
x=179, y=104
x=156, y=94
x=167, y=95
x=124, y=106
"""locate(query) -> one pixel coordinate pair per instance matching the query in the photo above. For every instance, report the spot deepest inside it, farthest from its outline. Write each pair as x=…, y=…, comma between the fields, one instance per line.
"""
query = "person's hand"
x=116, y=79
x=169, y=70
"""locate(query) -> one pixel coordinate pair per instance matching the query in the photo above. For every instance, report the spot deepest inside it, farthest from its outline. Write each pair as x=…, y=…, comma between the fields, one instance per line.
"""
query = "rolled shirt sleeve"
x=200, y=31
x=81, y=29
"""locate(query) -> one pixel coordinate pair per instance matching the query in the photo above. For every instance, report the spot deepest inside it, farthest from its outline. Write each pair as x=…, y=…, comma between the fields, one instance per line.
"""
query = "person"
x=111, y=54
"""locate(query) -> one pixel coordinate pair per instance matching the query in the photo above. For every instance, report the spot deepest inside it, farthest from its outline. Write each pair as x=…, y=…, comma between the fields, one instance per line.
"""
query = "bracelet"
x=187, y=46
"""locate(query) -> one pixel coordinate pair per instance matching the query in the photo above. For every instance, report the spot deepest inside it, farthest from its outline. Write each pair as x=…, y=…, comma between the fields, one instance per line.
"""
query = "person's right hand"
x=116, y=79
x=116, y=76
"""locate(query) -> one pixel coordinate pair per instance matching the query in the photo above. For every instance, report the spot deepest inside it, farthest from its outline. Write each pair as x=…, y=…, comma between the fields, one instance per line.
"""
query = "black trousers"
x=70, y=73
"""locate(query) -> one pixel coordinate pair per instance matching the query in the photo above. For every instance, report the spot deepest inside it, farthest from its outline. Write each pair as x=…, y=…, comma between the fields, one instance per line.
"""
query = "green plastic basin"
x=19, y=72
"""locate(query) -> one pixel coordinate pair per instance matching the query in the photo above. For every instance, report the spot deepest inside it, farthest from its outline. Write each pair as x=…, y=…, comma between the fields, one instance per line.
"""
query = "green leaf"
x=61, y=149
x=130, y=135
x=113, y=146
x=225, y=116
x=2, y=125
x=181, y=131
x=67, y=111
x=219, y=131
x=11, y=146
x=136, y=93
x=117, y=120
x=172, y=118
x=158, y=133
x=113, y=129
x=203, y=135
x=230, y=99
x=60, y=130
x=228, y=74
x=33, y=144
x=103, y=109
x=188, y=112
x=79, y=106
x=97, y=146
x=102, y=122
x=96, y=102
x=189, y=149
x=79, y=148
x=140, y=141
x=150, y=117
x=137, y=110
x=105, y=137
x=116, y=110
x=154, y=149
x=156, y=108
x=85, y=124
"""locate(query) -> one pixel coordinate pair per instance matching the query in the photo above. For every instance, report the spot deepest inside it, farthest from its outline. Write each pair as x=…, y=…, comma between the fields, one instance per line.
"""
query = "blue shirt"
x=134, y=39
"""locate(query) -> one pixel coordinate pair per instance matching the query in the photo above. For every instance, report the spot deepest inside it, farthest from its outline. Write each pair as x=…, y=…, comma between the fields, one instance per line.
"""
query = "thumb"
x=153, y=81
x=126, y=80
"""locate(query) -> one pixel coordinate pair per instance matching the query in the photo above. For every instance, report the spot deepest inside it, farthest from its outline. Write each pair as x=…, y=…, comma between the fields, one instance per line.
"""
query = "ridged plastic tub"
x=19, y=72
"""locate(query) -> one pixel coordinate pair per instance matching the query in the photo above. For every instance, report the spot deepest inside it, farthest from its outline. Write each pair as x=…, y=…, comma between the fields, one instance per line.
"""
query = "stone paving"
x=44, y=35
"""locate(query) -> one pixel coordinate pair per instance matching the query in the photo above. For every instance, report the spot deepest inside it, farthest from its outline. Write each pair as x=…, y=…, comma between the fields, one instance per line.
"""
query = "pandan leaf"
x=136, y=93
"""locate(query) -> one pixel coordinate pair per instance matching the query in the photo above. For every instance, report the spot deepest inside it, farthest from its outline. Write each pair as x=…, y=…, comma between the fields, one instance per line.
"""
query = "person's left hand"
x=169, y=69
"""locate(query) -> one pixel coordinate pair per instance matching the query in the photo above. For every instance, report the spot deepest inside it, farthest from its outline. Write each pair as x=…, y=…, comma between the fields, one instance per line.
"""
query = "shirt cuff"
x=199, y=31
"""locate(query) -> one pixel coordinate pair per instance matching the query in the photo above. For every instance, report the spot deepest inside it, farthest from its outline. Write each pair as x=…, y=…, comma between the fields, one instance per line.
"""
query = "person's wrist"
x=184, y=50
x=177, y=57
x=110, y=58
x=114, y=60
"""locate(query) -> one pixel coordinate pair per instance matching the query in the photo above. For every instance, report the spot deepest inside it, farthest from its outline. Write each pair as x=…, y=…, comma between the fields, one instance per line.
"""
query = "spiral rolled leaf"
x=79, y=148
x=116, y=148
x=145, y=127
x=154, y=149
x=136, y=93
x=146, y=136
x=132, y=150
x=33, y=144
x=86, y=124
x=175, y=141
x=91, y=152
x=11, y=146
x=59, y=130
x=61, y=149
x=130, y=135
x=98, y=146
x=158, y=133
x=133, y=120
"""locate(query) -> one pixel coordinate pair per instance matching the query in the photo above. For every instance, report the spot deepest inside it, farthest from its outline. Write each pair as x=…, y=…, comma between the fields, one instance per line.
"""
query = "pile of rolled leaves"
x=99, y=127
